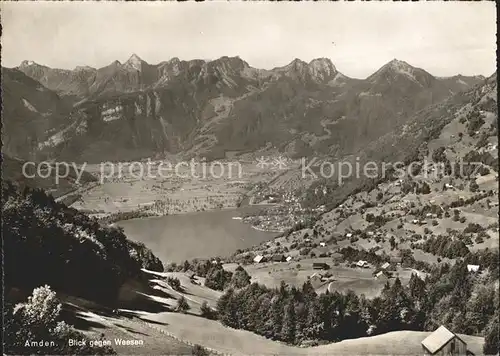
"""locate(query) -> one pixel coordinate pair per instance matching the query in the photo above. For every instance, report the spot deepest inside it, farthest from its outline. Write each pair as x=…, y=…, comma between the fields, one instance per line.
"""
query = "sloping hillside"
x=71, y=252
x=240, y=343
x=30, y=113
x=174, y=331
x=67, y=182
x=433, y=214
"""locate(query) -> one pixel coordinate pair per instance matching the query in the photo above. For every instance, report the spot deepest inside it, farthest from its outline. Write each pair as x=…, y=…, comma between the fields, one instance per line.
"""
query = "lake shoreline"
x=175, y=238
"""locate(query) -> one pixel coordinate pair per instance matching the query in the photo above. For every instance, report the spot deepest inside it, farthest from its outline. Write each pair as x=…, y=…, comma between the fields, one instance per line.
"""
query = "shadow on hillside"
x=153, y=321
x=159, y=292
x=139, y=295
x=184, y=291
x=144, y=303
x=192, y=314
x=70, y=315
x=131, y=330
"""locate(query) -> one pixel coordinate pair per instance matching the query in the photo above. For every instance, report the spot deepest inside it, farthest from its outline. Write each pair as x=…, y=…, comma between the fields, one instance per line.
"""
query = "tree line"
x=46, y=242
x=449, y=295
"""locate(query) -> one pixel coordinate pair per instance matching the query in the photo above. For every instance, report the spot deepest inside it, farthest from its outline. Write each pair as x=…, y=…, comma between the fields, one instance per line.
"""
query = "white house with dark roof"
x=381, y=275
x=473, y=268
x=362, y=264
x=443, y=342
x=385, y=265
x=258, y=259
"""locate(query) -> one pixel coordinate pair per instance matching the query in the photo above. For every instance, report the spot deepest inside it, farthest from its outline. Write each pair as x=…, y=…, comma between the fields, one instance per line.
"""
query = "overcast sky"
x=444, y=38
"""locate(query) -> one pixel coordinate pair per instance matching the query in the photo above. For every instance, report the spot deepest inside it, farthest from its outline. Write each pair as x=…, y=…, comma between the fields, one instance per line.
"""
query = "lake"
x=176, y=238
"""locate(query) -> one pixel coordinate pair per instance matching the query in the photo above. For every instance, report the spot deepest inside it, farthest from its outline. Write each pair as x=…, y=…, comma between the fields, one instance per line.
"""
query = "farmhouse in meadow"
x=385, y=265
x=473, y=268
x=381, y=275
x=259, y=259
x=320, y=265
x=362, y=264
x=278, y=258
x=443, y=342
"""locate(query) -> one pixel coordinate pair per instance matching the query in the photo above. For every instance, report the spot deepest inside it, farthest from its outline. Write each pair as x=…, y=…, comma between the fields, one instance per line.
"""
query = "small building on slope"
x=320, y=265
x=278, y=258
x=385, y=265
x=259, y=259
x=443, y=342
x=473, y=268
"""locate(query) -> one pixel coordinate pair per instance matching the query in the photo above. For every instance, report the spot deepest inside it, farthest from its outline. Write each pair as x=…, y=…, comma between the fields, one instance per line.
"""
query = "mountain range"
x=208, y=108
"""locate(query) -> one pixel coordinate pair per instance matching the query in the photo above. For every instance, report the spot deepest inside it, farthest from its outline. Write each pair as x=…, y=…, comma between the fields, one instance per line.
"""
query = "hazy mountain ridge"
x=30, y=112
x=206, y=108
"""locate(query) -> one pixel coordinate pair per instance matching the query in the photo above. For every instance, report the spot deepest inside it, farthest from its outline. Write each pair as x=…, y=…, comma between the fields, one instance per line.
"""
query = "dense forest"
x=450, y=295
x=46, y=242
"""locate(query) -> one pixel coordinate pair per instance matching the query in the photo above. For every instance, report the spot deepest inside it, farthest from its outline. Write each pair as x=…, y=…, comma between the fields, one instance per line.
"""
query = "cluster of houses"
x=419, y=222
x=492, y=204
x=289, y=197
x=489, y=147
x=383, y=271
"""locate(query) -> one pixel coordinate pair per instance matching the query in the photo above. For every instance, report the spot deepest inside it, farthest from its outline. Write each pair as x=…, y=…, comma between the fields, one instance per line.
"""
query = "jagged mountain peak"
x=174, y=60
x=227, y=65
x=398, y=65
x=28, y=63
x=196, y=91
x=134, y=57
x=401, y=69
x=318, y=70
x=298, y=63
x=232, y=61
x=135, y=62
x=84, y=68
x=322, y=68
x=322, y=61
